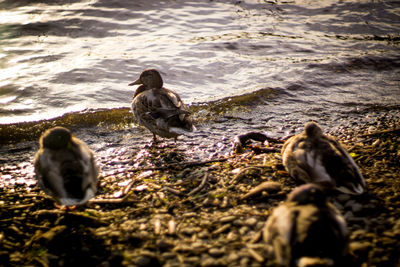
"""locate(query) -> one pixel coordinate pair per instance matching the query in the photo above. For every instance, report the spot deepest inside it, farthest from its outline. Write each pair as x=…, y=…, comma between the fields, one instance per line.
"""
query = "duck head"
x=150, y=78
x=312, y=129
x=308, y=194
x=56, y=138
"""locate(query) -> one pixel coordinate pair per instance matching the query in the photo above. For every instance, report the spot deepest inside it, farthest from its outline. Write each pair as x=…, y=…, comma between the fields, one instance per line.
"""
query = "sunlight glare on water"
x=58, y=58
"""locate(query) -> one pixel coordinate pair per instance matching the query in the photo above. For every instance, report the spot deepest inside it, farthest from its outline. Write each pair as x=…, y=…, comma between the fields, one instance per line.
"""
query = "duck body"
x=308, y=227
x=313, y=157
x=159, y=109
x=65, y=168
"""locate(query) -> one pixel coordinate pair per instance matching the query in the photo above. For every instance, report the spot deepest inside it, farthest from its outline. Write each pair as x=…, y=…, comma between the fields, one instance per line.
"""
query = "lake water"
x=243, y=66
x=317, y=60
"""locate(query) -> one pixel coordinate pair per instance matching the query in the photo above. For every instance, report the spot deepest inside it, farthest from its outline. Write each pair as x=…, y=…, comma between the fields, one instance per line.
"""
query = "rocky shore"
x=196, y=213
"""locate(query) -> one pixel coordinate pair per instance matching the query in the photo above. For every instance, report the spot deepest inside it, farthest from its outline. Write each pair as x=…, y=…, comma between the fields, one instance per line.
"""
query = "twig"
x=202, y=184
x=17, y=207
x=257, y=237
x=239, y=176
x=268, y=186
x=69, y=214
x=382, y=132
x=255, y=254
x=222, y=229
x=108, y=200
x=157, y=226
x=171, y=227
x=172, y=190
x=172, y=165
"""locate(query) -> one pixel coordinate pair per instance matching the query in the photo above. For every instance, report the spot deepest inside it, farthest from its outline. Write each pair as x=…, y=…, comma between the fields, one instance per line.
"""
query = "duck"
x=307, y=229
x=65, y=168
x=159, y=109
x=314, y=157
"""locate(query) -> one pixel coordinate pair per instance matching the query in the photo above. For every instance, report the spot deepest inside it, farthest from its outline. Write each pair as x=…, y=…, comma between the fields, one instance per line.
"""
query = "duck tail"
x=353, y=188
x=182, y=131
x=314, y=261
x=71, y=201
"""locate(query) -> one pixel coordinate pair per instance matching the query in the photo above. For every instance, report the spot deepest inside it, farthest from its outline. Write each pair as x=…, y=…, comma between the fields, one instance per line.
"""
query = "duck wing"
x=299, y=160
x=341, y=167
x=320, y=232
x=68, y=175
x=168, y=104
x=278, y=233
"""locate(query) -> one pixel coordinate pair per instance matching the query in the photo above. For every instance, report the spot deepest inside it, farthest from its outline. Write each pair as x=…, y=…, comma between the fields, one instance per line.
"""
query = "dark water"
x=241, y=65
x=64, y=56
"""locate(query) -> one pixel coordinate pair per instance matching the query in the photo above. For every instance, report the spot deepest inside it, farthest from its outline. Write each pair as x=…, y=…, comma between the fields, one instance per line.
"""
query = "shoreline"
x=196, y=215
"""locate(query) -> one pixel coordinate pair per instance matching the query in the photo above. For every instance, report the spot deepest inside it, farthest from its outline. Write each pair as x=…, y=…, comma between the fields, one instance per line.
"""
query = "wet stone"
x=216, y=252
x=342, y=198
x=208, y=262
x=232, y=257
x=227, y=219
x=164, y=245
x=357, y=207
x=360, y=247
x=251, y=222
x=348, y=215
x=168, y=255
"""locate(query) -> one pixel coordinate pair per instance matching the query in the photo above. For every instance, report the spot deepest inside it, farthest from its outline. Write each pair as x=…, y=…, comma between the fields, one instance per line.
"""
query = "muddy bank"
x=159, y=208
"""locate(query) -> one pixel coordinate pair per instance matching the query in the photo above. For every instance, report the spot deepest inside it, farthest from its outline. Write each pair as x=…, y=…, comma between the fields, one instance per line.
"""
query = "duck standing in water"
x=306, y=229
x=313, y=157
x=159, y=109
x=65, y=167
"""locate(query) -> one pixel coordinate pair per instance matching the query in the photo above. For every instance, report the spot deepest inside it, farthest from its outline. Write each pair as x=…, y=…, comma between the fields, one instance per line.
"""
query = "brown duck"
x=65, y=167
x=307, y=230
x=314, y=157
x=159, y=109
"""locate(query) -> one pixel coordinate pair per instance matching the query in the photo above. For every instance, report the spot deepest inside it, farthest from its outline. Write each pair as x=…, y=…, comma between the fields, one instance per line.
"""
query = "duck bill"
x=138, y=81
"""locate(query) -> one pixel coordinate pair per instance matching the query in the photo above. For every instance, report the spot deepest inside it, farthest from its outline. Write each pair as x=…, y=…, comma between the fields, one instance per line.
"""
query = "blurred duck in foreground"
x=65, y=167
x=313, y=157
x=306, y=230
x=159, y=109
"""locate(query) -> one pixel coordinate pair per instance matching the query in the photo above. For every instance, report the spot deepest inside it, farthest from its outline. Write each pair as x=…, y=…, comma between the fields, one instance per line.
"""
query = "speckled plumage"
x=65, y=167
x=306, y=227
x=159, y=109
x=313, y=157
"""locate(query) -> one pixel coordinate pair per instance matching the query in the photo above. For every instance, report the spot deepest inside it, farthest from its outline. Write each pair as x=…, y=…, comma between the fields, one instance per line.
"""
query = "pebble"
x=244, y=261
x=208, y=262
x=231, y=236
x=243, y=230
x=349, y=203
x=358, y=233
x=227, y=219
x=168, y=255
x=376, y=143
x=357, y=207
x=251, y=222
x=348, y=215
x=338, y=205
x=232, y=257
x=164, y=245
x=260, y=224
x=190, y=230
x=238, y=222
x=204, y=234
x=216, y=252
x=360, y=247
x=143, y=261
x=222, y=229
x=343, y=198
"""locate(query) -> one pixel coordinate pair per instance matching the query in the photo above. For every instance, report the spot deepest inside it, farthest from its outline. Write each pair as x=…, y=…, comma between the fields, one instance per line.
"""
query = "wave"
x=120, y=117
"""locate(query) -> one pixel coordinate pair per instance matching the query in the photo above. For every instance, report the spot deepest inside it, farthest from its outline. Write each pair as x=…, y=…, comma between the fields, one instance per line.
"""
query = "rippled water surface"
x=243, y=65
x=316, y=58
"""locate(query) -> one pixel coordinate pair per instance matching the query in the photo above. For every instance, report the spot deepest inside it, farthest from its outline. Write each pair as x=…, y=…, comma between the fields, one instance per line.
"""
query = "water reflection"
x=66, y=56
